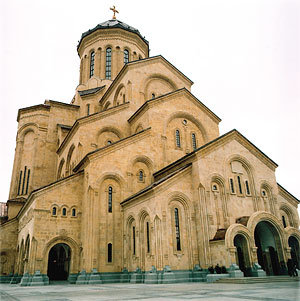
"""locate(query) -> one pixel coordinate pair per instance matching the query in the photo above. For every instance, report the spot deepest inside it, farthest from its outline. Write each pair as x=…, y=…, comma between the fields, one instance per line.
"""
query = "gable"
x=144, y=78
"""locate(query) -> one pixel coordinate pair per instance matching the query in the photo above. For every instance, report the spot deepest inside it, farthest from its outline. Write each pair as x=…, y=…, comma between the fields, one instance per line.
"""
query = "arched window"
x=110, y=190
x=177, y=230
x=194, y=141
x=153, y=95
x=247, y=187
x=141, y=176
x=283, y=221
x=126, y=56
x=240, y=184
x=108, y=142
x=177, y=137
x=231, y=185
x=54, y=211
x=148, y=237
x=73, y=212
x=64, y=211
x=20, y=180
x=24, y=179
x=108, y=64
x=109, y=252
x=133, y=240
x=92, y=63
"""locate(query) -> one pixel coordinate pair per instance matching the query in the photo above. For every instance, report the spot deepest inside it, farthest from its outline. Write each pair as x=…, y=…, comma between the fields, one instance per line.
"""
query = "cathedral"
x=132, y=182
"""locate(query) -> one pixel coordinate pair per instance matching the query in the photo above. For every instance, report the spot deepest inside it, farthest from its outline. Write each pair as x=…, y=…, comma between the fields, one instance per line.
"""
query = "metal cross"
x=115, y=11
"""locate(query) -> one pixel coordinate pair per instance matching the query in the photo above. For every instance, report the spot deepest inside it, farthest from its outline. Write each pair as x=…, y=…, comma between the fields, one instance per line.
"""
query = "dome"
x=114, y=23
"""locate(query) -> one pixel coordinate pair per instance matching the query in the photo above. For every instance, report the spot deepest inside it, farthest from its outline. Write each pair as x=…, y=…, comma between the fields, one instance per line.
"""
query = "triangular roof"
x=132, y=64
x=183, y=91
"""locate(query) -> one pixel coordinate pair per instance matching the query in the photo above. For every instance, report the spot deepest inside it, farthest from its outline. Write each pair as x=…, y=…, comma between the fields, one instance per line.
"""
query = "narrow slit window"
x=148, y=238
x=20, y=180
x=126, y=56
x=141, y=176
x=283, y=222
x=108, y=64
x=73, y=212
x=240, y=184
x=247, y=187
x=177, y=230
x=88, y=109
x=92, y=64
x=133, y=240
x=232, y=186
x=194, y=141
x=109, y=199
x=24, y=179
x=177, y=137
x=109, y=252
x=28, y=178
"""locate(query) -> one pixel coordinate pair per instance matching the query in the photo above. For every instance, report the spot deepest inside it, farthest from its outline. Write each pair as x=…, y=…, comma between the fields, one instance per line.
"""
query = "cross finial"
x=115, y=11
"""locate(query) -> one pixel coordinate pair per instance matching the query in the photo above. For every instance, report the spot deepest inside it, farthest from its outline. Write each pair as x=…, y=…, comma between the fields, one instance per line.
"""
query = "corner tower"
x=105, y=49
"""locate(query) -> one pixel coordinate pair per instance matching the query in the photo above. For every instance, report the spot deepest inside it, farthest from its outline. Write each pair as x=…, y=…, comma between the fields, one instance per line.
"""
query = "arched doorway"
x=269, y=249
x=242, y=253
x=295, y=250
x=59, y=262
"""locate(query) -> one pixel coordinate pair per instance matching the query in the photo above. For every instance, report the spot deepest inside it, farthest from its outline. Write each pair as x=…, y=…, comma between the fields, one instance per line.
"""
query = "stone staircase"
x=249, y=280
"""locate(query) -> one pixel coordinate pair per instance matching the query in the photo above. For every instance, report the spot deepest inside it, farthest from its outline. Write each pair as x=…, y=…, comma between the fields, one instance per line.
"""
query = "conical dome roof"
x=114, y=23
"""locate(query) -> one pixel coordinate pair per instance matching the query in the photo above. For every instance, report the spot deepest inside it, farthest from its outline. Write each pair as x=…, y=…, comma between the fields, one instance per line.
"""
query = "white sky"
x=243, y=56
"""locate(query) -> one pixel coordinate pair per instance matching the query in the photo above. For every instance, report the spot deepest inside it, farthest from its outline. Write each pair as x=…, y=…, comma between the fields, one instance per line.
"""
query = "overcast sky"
x=243, y=56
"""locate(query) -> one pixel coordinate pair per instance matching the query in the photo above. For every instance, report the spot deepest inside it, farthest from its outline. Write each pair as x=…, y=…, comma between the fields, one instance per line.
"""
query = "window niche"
x=73, y=212
x=109, y=253
x=108, y=64
x=92, y=63
x=64, y=212
x=141, y=176
x=109, y=199
x=177, y=138
x=54, y=211
x=231, y=185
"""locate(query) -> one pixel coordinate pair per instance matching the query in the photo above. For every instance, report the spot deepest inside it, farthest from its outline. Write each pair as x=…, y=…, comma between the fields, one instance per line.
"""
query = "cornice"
x=64, y=105
x=234, y=134
x=159, y=185
x=109, y=34
x=183, y=91
x=126, y=68
x=218, y=142
x=89, y=119
x=9, y=222
x=40, y=107
x=287, y=195
x=111, y=148
x=40, y=190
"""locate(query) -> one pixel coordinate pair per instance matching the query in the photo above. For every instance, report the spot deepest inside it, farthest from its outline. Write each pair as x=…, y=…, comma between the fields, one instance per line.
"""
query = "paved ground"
x=185, y=291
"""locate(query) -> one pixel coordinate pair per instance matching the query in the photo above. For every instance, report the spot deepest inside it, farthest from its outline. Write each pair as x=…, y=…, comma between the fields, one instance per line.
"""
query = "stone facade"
x=132, y=181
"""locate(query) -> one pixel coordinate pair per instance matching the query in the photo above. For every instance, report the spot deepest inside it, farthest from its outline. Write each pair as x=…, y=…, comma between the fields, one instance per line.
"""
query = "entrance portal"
x=59, y=262
x=269, y=249
x=295, y=251
x=240, y=243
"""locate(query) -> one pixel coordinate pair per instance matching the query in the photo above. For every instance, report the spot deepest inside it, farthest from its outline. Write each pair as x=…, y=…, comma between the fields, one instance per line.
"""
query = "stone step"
x=258, y=279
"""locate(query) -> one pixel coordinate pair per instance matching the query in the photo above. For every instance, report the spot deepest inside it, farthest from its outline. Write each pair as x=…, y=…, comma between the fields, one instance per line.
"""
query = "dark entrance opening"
x=269, y=249
x=295, y=251
x=240, y=243
x=59, y=262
